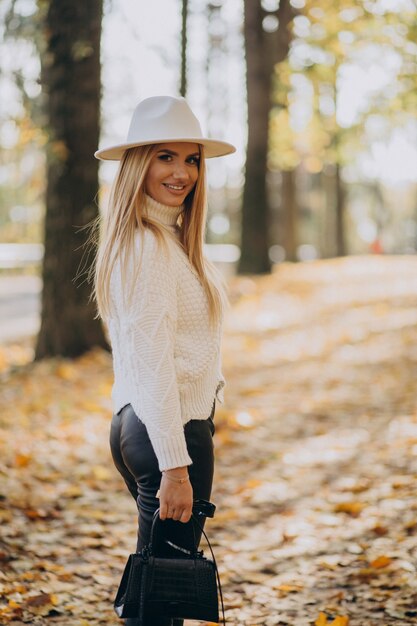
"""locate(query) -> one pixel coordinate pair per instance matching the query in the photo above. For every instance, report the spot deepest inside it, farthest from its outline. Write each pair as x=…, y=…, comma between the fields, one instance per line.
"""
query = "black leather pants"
x=136, y=461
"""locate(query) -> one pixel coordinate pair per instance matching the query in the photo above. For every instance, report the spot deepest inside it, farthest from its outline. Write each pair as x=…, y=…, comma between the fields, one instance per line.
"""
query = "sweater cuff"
x=171, y=452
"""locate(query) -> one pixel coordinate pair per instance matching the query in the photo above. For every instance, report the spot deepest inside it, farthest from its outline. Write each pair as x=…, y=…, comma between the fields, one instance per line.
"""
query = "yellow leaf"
x=253, y=482
x=223, y=437
x=339, y=620
x=101, y=473
x=352, y=508
x=5, y=516
x=381, y=561
x=73, y=491
x=22, y=460
x=13, y=605
x=66, y=371
x=289, y=588
x=367, y=572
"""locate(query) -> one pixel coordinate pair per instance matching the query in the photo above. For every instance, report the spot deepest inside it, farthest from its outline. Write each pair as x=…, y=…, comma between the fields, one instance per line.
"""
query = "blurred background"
x=313, y=221
x=319, y=97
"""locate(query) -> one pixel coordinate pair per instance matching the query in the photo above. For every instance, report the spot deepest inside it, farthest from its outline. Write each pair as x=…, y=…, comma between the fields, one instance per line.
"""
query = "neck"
x=162, y=213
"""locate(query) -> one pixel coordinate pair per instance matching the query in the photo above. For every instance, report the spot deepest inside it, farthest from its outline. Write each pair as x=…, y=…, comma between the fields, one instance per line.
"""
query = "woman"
x=163, y=305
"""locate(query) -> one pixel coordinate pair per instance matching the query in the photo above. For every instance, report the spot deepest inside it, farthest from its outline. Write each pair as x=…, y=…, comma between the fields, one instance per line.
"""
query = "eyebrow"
x=168, y=151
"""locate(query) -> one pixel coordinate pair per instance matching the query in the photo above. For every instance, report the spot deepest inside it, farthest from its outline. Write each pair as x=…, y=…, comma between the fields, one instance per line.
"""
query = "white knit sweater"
x=166, y=358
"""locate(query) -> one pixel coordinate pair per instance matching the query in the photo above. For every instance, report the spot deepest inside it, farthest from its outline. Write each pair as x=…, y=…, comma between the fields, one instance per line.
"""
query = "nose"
x=180, y=171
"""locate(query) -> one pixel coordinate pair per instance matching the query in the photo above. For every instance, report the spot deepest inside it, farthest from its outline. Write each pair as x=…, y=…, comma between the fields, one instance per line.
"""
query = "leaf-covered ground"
x=316, y=461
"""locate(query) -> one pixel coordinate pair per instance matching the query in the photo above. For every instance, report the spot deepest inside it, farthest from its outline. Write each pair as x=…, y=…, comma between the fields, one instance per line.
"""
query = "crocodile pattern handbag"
x=154, y=586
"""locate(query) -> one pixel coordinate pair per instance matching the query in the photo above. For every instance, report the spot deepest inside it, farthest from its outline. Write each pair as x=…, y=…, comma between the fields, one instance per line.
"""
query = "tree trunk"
x=71, y=88
x=289, y=211
x=329, y=226
x=340, y=213
x=254, y=242
x=263, y=50
x=183, y=80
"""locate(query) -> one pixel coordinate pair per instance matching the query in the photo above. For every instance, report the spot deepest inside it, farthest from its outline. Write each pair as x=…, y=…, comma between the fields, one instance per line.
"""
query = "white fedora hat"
x=164, y=119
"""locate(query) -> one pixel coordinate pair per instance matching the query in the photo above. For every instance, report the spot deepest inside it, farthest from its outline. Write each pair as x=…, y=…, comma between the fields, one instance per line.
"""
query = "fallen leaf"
x=352, y=508
x=321, y=620
x=381, y=561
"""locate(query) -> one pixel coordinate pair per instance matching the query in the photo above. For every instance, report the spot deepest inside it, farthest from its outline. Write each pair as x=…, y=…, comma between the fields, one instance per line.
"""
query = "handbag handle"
x=155, y=521
x=153, y=534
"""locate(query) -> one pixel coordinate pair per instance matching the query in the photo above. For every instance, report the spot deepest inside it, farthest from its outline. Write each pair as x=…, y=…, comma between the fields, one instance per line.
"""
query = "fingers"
x=171, y=514
x=175, y=500
x=168, y=512
x=163, y=511
x=185, y=517
x=178, y=515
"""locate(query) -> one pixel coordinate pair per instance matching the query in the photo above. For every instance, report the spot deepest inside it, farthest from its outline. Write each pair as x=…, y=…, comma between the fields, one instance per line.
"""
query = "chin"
x=170, y=200
x=173, y=201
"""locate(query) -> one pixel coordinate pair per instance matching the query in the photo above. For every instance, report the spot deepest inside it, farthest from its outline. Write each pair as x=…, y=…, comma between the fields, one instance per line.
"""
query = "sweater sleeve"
x=148, y=322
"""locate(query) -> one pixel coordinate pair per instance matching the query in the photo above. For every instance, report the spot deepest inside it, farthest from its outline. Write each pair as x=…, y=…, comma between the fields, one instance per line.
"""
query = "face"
x=173, y=172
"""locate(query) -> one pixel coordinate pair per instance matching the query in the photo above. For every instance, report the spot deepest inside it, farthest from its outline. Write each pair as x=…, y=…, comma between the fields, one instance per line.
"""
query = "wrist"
x=175, y=477
x=178, y=472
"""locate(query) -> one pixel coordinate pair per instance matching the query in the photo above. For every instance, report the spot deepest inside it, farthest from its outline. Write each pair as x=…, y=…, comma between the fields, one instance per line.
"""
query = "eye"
x=164, y=157
x=194, y=160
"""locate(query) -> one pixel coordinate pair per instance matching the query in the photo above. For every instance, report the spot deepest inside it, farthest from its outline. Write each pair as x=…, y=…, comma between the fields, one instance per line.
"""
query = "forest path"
x=316, y=451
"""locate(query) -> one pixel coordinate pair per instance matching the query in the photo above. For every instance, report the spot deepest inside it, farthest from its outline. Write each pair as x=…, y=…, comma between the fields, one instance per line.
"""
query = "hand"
x=175, y=499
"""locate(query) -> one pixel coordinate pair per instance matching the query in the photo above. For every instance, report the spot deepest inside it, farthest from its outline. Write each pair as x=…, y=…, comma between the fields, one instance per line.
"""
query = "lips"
x=174, y=187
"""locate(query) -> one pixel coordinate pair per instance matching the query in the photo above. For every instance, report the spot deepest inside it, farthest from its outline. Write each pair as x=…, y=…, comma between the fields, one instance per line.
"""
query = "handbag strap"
x=193, y=517
x=155, y=521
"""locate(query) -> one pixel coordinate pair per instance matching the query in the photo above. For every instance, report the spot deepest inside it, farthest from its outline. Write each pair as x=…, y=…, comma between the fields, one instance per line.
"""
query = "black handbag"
x=153, y=586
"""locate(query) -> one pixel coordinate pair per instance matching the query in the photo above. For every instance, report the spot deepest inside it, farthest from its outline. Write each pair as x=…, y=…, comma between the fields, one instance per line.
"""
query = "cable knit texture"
x=166, y=358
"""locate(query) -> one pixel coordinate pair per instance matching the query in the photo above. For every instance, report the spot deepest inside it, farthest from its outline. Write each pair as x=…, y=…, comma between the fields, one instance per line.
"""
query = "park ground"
x=316, y=448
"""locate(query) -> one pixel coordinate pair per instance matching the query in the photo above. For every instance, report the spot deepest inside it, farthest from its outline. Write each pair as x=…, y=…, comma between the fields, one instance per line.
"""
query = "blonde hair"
x=115, y=235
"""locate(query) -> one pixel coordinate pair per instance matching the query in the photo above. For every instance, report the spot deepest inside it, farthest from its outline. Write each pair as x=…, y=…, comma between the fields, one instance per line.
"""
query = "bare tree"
x=184, y=18
x=265, y=46
x=71, y=88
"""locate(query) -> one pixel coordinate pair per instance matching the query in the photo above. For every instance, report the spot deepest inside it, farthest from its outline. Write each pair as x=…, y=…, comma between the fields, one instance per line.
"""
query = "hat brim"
x=212, y=147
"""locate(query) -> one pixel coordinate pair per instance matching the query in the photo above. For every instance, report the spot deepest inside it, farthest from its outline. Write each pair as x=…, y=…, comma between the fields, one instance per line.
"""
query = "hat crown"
x=163, y=117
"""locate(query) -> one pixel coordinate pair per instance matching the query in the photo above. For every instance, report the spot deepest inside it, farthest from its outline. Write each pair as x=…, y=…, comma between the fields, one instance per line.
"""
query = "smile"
x=174, y=187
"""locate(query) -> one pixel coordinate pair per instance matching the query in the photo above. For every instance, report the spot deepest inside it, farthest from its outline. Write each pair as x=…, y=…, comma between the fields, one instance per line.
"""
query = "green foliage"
x=23, y=188
x=327, y=39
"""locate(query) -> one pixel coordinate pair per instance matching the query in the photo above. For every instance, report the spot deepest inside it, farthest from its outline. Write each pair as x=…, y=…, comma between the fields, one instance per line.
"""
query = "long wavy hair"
x=115, y=234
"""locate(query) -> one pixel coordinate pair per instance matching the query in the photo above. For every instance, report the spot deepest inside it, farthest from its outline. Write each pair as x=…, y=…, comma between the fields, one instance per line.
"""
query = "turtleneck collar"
x=166, y=215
